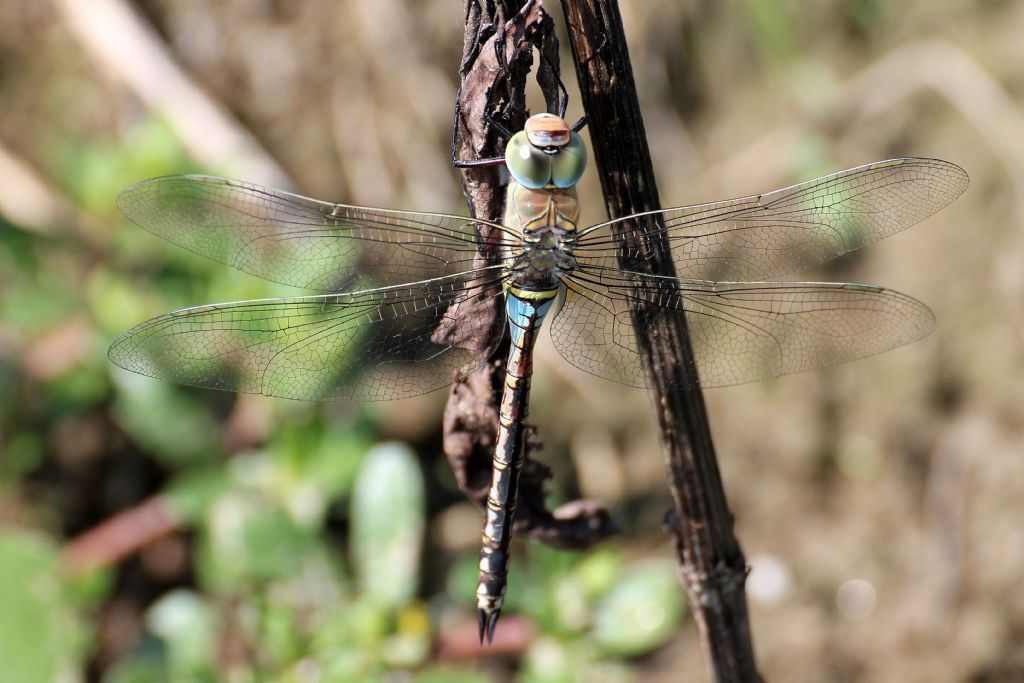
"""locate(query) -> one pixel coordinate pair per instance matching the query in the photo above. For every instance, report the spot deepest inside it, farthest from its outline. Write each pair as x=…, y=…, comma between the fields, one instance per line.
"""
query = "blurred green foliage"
x=42, y=638
x=270, y=584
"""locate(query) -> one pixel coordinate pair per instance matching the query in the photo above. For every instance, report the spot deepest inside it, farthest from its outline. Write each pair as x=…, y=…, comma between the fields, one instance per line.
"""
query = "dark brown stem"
x=711, y=563
x=498, y=53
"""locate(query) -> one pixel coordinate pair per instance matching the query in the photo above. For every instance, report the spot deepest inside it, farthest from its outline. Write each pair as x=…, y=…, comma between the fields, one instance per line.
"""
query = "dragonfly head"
x=546, y=153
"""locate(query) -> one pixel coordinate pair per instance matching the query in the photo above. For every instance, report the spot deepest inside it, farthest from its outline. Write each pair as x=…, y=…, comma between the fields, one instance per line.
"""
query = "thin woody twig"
x=711, y=563
x=497, y=57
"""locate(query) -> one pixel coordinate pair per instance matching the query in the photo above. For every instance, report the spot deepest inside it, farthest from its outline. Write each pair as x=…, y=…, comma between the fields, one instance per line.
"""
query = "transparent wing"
x=372, y=345
x=299, y=241
x=768, y=235
x=740, y=331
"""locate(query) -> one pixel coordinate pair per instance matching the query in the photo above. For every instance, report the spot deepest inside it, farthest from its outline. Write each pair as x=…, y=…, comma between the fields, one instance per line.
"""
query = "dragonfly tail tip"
x=488, y=621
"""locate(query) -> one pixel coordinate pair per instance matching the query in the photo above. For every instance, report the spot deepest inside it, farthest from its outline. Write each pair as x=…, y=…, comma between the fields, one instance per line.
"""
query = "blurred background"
x=151, y=532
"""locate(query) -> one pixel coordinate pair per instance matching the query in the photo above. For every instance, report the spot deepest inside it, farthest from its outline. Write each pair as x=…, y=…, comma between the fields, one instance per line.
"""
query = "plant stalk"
x=709, y=558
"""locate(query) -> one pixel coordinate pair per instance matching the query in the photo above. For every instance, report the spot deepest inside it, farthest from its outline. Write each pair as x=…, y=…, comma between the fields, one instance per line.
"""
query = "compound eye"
x=568, y=163
x=528, y=165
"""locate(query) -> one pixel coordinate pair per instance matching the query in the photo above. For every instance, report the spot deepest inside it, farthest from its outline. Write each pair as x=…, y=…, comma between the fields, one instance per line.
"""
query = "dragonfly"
x=404, y=301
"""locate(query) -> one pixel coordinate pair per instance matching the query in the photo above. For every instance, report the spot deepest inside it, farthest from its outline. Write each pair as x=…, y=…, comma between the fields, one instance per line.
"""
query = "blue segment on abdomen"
x=523, y=313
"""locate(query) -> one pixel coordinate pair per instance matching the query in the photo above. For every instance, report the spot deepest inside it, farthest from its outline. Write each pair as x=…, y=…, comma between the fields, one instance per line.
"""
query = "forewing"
x=299, y=241
x=767, y=235
x=740, y=332
x=373, y=345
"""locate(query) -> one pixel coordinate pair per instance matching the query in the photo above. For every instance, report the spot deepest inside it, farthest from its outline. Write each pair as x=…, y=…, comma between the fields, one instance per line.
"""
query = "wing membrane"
x=299, y=241
x=372, y=345
x=767, y=235
x=740, y=331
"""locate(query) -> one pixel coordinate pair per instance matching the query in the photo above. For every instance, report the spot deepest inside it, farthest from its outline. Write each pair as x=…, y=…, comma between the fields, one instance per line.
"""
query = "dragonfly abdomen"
x=525, y=310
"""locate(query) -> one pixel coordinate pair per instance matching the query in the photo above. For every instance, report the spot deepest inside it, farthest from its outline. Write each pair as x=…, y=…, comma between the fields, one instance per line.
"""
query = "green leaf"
x=145, y=667
x=598, y=570
x=405, y=650
x=552, y=661
x=189, y=627
x=387, y=525
x=249, y=540
x=357, y=625
x=773, y=28
x=570, y=604
x=641, y=612
x=449, y=675
x=192, y=494
x=165, y=420
x=88, y=589
x=95, y=170
x=117, y=303
x=548, y=661
x=22, y=452
x=348, y=665
x=335, y=462
x=460, y=583
x=39, y=638
x=315, y=467
x=279, y=636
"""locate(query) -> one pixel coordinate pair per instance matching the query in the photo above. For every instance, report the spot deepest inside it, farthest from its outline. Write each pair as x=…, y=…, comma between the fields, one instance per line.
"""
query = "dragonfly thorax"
x=544, y=258
x=546, y=220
